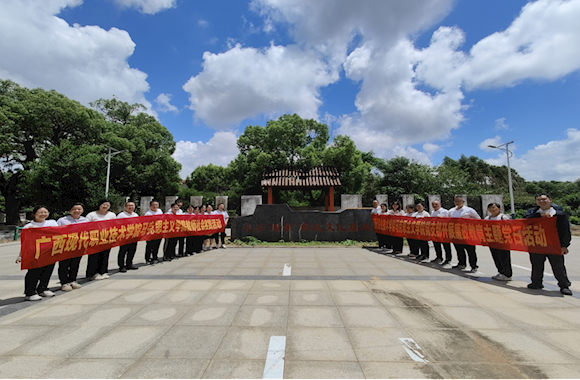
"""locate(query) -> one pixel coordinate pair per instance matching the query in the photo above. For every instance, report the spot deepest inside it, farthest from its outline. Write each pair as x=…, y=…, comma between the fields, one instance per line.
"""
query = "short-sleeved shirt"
x=46, y=223
x=125, y=214
x=150, y=213
x=464, y=212
x=66, y=220
x=441, y=212
x=94, y=217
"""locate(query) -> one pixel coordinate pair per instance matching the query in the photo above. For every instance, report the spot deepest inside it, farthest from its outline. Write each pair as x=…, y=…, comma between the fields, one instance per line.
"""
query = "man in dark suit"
x=546, y=209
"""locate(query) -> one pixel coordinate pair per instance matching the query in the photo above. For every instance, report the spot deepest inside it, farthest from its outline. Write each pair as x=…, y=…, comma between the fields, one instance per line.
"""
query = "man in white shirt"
x=376, y=208
x=127, y=251
x=462, y=211
x=152, y=246
x=222, y=235
x=440, y=212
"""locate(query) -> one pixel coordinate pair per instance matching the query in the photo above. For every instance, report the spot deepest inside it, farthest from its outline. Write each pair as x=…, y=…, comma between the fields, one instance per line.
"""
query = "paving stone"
x=322, y=370
x=15, y=336
x=139, y=296
x=318, y=343
x=90, y=369
x=62, y=341
x=108, y=314
x=443, y=298
x=167, y=368
x=129, y=284
x=157, y=314
x=355, y=299
x=377, y=345
x=482, y=370
x=267, y=297
x=235, y=369
x=308, y=285
x=421, y=318
x=234, y=285
x=23, y=367
x=224, y=297
x=531, y=319
x=477, y=318
x=271, y=285
x=388, y=370
x=312, y=298
x=124, y=342
x=55, y=315
x=314, y=316
x=247, y=342
x=261, y=316
x=199, y=342
x=337, y=272
x=182, y=297
x=206, y=315
x=197, y=285
x=161, y=284
x=549, y=371
x=367, y=316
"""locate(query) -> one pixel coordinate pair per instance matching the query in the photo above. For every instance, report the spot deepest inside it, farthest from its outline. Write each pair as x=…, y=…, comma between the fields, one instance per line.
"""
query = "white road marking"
x=287, y=270
x=528, y=269
x=413, y=350
x=274, y=368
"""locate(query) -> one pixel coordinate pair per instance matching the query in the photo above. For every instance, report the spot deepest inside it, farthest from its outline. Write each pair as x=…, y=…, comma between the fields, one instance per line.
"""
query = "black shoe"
x=150, y=262
x=566, y=291
x=458, y=266
x=436, y=261
x=474, y=269
x=132, y=268
x=123, y=270
x=446, y=262
x=535, y=286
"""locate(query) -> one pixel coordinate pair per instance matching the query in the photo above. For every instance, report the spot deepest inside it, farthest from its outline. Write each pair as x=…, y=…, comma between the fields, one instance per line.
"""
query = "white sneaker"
x=96, y=277
x=75, y=285
x=66, y=288
x=47, y=293
x=223, y=246
x=104, y=276
x=34, y=297
x=501, y=277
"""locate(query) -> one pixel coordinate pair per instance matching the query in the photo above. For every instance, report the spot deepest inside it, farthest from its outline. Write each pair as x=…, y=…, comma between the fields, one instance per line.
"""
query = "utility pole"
x=112, y=152
x=509, y=154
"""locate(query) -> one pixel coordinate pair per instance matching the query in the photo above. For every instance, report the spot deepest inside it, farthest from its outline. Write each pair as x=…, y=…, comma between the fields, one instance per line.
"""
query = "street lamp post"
x=508, y=153
x=108, y=159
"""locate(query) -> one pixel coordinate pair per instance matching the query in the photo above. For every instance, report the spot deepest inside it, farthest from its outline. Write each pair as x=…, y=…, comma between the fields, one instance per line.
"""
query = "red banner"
x=536, y=235
x=47, y=245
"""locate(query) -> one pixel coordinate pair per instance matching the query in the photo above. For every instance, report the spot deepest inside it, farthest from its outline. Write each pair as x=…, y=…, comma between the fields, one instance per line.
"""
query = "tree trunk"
x=9, y=189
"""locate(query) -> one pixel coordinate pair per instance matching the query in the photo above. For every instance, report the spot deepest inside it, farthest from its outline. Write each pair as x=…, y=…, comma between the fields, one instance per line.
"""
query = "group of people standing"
x=419, y=249
x=36, y=280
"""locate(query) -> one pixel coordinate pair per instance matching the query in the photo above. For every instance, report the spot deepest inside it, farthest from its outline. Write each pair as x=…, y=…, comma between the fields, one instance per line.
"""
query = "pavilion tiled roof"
x=319, y=176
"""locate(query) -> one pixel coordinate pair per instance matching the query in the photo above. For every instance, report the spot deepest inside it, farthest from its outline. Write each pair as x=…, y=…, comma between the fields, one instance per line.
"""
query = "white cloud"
x=431, y=148
x=38, y=49
x=495, y=141
x=219, y=150
x=203, y=23
x=556, y=160
x=147, y=6
x=501, y=124
x=245, y=82
x=163, y=103
x=541, y=43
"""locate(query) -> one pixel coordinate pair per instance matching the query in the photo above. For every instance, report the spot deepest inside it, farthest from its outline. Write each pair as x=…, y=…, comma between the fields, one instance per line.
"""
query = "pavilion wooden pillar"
x=270, y=196
x=326, y=203
x=331, y=196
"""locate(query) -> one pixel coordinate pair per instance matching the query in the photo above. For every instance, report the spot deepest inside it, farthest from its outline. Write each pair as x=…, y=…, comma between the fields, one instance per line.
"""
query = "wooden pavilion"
x=318, y=178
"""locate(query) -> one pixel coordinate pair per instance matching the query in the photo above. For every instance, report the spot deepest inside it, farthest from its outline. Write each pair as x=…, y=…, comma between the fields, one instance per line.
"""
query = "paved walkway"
x=345, y=313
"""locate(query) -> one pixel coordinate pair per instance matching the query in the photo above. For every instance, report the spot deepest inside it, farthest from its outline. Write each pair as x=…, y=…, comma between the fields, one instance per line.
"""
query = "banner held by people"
x=529, y=235
x=45, y=246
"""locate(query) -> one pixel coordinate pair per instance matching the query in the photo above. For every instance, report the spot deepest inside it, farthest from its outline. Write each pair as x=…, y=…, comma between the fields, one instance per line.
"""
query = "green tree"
x=32, y=121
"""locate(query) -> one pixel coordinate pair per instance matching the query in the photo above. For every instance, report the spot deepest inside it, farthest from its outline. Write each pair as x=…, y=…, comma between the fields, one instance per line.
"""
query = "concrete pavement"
x=345, y=313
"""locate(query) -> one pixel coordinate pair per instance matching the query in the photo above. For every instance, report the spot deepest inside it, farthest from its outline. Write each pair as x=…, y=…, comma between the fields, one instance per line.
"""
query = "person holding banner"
x=501, y=257
x=69, y=268
x=422, y=245
x=546, y=210
x=440, y=212
x=36, y=280
x=396, y=242
x=98, y=263
x=462, y=211
x=209, y=238
x=127, y=251
x=181, y=241
x=152, y=246
x=384, y=241
x=169, y=253
x=412, y=242
x=221, y=235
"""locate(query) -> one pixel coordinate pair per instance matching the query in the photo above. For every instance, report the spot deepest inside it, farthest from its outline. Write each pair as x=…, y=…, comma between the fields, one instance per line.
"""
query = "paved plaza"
x=345, y=313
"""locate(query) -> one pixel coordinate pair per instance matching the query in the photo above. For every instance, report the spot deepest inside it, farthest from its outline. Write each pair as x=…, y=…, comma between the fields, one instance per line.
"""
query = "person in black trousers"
x=127, y=251
x=501, y=257
x=169, y=253
x=37, y=279
x=440, y=212
x=546, y=210
x=396, y=242
x=152, y=246
x=68, y=269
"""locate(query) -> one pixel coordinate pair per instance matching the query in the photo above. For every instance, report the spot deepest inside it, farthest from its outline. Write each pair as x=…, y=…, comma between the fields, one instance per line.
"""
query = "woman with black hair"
x=501, y=257
x=69, y=268
x=36, y=280
x=152, y=246
x=412, y=242
x=396, y=242
x=98, y=264
x=422, y=245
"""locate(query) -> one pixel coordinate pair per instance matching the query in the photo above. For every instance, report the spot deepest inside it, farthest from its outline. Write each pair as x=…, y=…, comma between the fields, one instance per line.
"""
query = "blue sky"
x=421, y=79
